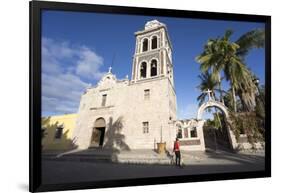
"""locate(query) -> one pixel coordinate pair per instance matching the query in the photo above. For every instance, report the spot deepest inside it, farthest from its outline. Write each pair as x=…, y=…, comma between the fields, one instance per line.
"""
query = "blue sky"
x=78, y=48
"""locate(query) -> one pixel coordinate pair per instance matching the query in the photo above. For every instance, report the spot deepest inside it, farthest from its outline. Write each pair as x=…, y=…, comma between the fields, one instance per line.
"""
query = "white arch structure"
x=212, y=103
x=223, y=108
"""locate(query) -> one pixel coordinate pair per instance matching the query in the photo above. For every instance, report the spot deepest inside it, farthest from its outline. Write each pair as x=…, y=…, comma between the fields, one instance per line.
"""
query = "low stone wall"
x=192, y=145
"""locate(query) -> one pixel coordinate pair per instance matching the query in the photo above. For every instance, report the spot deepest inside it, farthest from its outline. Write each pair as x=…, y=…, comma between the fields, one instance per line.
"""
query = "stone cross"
x=209, y=93
x=109, y=69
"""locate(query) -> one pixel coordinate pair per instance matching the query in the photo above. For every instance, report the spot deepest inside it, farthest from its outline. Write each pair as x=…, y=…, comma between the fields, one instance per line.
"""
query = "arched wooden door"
x=98, y=133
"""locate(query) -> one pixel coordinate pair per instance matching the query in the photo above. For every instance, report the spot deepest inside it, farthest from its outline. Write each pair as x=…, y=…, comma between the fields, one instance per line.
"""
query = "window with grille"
x=58, y=133
x=103, y=100
x=146, y=94
x=145, y=126
x=179, y=135
x=193, y=132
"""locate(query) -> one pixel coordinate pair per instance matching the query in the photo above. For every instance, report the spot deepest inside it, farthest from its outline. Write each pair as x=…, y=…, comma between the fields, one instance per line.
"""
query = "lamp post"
x=161, y=146
x=256, y=82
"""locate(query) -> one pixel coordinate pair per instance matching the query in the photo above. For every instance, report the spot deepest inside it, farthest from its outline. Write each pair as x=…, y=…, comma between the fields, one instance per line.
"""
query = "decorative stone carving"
x=107, y=81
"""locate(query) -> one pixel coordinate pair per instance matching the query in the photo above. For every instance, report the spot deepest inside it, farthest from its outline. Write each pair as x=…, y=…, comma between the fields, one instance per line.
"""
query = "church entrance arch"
x=224, y=110
x=209, y=104
x=98, y=132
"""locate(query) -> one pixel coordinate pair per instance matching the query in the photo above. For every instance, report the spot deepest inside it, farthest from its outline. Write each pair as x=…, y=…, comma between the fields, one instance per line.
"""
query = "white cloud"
x=64, y=69
x=89, y=64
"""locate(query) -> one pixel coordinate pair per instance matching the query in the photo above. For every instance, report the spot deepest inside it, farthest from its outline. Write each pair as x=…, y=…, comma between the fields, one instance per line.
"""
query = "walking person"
x=177, y=152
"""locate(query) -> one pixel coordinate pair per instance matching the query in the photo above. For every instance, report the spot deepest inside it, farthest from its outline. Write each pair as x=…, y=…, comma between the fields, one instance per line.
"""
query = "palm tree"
x=260, y=102
x=228, y=99
x=240, y=79
x=222, y=55
x=247, y=90
x=207, y=82
x=250, y=40
x=208, y=60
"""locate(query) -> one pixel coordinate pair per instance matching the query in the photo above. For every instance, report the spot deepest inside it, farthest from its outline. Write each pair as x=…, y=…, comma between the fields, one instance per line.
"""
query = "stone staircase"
x=110, y=156
x=143, y=157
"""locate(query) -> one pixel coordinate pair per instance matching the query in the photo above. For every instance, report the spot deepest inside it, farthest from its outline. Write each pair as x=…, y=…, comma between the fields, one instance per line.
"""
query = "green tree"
x=252, y=39
x=248, y=41
x=260, y=102
x=207, y=82
x=229, y=102
x=221, y=55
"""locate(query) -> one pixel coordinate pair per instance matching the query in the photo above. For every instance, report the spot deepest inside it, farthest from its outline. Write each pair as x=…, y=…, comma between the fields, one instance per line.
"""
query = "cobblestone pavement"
x=67, y=171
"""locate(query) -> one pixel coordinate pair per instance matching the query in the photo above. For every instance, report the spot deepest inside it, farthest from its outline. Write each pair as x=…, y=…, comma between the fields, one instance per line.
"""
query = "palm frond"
x=250, y=40
x=227, y=34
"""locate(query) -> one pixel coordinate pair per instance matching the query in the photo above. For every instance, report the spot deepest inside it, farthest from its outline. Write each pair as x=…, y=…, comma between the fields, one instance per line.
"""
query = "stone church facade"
x=136, y=113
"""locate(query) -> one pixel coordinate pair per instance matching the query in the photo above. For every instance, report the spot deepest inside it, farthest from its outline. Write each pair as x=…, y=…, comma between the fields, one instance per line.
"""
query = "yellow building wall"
x=50, y=124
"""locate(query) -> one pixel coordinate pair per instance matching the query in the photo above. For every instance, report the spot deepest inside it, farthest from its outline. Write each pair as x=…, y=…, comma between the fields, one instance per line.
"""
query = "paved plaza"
x=71, y=169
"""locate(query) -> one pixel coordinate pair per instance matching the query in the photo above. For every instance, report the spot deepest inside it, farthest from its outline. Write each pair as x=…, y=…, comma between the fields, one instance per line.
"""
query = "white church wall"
x=125, y=99
x=154, y=110
x=128, y=102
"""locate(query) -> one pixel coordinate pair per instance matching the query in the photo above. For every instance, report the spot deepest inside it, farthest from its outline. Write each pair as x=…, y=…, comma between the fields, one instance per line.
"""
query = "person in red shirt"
x=177, y=152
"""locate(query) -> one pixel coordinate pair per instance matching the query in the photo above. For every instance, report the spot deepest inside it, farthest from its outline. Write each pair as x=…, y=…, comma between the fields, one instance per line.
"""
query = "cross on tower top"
x=109, y=69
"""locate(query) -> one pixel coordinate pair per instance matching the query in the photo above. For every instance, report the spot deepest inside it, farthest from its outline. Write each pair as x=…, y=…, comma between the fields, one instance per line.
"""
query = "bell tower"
x=153, y=53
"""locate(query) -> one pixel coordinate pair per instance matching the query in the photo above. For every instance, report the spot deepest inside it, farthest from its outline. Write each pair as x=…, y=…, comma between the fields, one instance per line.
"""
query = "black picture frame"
x=36, y=8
